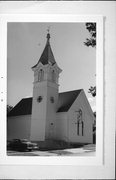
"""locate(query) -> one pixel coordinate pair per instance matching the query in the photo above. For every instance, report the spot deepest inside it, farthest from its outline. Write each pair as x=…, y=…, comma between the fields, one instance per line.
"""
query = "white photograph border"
x=98, y=158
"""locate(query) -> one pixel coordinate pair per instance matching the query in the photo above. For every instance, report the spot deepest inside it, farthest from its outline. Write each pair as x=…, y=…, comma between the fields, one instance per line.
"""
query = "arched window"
x=41, y=75
x=80, y=123
x=53, y=76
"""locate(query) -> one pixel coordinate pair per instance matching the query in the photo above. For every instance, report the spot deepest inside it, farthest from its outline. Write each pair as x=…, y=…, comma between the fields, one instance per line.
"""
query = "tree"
x=9, y=108
x=91, y=27
x=92, y=90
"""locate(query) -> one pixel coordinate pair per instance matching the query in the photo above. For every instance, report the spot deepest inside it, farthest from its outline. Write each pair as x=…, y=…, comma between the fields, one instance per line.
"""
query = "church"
x=50, y=115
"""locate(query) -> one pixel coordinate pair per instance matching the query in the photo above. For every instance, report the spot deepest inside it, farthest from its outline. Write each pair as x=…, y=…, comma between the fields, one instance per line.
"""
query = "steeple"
x=47, y=56
x=45, y=95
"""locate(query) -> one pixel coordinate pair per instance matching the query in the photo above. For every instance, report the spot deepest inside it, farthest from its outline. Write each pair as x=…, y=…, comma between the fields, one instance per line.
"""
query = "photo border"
x=37, y=160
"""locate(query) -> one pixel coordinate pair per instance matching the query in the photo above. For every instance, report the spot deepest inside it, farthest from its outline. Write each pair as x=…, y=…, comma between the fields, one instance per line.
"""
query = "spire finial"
x=48, y=34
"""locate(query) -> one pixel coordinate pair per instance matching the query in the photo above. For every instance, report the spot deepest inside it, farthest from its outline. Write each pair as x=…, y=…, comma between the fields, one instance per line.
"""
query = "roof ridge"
x=66, y=99
x=71, y=91
x=58, y=93
x=26, y=97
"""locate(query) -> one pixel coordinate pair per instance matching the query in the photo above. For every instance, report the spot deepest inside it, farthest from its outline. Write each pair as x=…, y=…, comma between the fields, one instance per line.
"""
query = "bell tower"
x=45, y=95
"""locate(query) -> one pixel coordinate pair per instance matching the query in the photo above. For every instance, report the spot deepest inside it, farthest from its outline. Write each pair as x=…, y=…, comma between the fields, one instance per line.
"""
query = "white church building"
x=50, y=115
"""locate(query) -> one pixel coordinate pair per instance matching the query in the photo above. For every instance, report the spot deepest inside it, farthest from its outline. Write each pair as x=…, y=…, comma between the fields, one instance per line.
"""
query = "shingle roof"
x=47, y=55
x=24, y=107
x=66, y=99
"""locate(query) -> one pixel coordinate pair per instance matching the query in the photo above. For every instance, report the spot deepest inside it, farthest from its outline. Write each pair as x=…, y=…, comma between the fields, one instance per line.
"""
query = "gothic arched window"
x=80, y=123
x=40, y=75
x=53, y=76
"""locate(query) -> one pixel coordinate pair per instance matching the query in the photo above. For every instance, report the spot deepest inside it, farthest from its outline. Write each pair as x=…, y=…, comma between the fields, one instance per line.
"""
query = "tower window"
x=52, y=99
x=39, y=99
x=53, y=76
x=41, y=75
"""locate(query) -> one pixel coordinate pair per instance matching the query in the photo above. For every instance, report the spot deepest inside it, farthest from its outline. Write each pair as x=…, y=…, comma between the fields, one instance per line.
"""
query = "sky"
x=25, y=44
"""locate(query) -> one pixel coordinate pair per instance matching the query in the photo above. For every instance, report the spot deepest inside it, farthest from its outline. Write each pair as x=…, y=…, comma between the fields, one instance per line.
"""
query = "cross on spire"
x=48, y=34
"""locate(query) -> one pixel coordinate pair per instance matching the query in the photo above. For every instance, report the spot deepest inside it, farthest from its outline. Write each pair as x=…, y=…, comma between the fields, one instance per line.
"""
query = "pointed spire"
x=47, y=56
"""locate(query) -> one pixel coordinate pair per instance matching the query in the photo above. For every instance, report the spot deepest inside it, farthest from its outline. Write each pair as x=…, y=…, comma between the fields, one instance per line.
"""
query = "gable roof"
x=66, y=99
x=47, y=55
x=24, y=107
